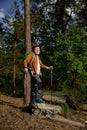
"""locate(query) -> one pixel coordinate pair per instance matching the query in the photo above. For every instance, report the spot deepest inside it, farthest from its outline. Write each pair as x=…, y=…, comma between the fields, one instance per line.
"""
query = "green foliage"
x=69, y=60
x=26, y=54
x=66, y=110
x=69, y=57
x=83, y=96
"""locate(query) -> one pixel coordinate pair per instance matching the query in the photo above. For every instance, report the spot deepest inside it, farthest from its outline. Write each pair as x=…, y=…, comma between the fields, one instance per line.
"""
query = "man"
x=36, y=64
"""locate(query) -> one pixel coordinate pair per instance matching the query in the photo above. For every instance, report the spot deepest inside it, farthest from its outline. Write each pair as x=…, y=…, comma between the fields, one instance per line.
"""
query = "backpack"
x=27, y=53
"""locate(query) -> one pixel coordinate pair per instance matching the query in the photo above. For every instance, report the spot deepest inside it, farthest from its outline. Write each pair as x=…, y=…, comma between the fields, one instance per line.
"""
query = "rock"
x=54, y=98
x=54, y=112
x=47, y=109
x=86, y=124
x=84, y=107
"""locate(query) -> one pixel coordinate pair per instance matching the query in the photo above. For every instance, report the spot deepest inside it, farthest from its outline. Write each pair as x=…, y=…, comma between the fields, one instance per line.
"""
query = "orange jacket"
x=34, y=63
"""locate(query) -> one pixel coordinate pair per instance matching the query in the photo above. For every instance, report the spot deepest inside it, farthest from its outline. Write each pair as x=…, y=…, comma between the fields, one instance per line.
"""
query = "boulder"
x=54, y=98
x=47, y=109
x=84, y=107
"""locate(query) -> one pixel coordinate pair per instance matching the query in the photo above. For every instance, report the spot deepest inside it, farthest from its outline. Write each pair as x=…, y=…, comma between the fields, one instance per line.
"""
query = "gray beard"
x=36, y=53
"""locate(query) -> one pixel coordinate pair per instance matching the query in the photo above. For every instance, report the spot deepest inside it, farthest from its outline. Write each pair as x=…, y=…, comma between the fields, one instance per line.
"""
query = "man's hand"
x=51, y=68
x=25, y=69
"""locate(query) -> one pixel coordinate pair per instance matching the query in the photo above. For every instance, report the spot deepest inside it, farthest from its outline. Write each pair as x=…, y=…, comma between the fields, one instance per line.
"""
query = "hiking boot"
x=39, y=100
x=33, y=101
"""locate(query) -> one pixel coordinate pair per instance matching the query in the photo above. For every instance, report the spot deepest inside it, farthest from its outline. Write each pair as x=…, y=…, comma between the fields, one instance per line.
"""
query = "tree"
x=27, y=46
x=11, y=48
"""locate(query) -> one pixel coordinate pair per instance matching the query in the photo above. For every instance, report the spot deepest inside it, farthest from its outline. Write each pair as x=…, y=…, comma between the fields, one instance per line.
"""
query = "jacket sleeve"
x=27, y=60
x=42, y=65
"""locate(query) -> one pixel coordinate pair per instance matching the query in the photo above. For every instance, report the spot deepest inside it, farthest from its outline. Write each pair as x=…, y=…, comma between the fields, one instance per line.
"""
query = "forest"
x=60, y=27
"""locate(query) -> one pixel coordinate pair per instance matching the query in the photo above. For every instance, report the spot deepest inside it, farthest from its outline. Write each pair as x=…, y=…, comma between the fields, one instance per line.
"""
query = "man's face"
x=37, y=50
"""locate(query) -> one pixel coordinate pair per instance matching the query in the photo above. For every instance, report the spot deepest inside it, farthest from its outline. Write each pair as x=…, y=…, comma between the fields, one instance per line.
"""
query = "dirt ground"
x=12, y=117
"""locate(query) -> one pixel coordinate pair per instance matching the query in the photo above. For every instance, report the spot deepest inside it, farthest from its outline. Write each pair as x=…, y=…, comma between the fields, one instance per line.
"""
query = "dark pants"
x=36, y=87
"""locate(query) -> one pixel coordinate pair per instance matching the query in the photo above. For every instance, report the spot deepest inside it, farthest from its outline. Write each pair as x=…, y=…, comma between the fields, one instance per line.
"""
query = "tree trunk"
x=63, y=18
x=27, y=47
x=14, y=69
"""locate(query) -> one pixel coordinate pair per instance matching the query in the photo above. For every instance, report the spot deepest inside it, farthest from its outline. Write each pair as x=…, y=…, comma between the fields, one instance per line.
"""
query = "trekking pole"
x=51, y=84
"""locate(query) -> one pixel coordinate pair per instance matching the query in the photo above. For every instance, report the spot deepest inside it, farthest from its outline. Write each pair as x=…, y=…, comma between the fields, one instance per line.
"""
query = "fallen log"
x=54, y=98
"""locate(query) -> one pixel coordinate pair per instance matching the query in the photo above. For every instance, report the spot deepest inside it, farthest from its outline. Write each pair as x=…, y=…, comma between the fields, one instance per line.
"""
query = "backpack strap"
x=33, y=56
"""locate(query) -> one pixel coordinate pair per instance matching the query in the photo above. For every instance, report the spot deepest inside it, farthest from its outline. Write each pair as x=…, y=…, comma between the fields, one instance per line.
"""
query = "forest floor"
x=12, y=117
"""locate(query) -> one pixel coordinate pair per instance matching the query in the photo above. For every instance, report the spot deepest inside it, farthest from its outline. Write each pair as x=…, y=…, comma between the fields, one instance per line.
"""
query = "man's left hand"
x=51, y=68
